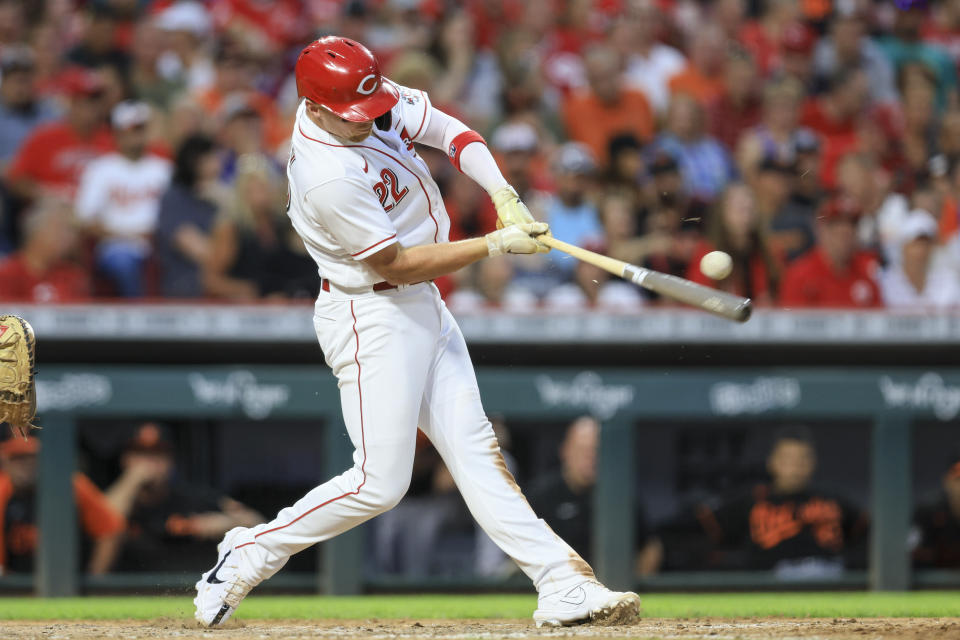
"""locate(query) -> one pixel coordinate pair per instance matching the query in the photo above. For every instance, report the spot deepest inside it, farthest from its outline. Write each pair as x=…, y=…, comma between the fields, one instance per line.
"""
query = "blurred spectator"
x=920, y=121
x=21, y=109
x=253, y=250
x=835, y=273
x=738, y=107
x=186, y=26
x=649, y=63
x=490, y=284
x=774, y=178
x=147, y=80
x=848, y=45
x=596, y=115
x=98, y=41
x=170, y=525
x=704, y=163
x=593, y=288
x=99, y=521
x=44, y=269
x=938, y=526
x=904, y=46
x=702, y=78
x=796, y=47
x=737, y=228
x=763, y=37
x=565, y=500
x=186, y=216
x=917, y=281
x=778, y=133
x=791, y=230
x=570, y=213
x=787, y=525
x=626, y=163
x=241, y=133
x=53, y=156
x=235, y=72
x=118, y=199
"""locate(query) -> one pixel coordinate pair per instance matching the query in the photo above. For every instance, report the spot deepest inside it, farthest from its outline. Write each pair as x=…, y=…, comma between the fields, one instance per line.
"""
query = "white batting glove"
x=510, y=208
x=518, y=238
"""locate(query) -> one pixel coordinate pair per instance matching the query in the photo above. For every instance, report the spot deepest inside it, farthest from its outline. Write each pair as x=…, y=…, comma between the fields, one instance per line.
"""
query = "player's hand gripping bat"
x=726, y=305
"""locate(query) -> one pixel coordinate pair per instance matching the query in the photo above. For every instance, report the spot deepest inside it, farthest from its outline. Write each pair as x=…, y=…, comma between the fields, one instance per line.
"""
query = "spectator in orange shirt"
x=738, y=229
x=702, y=78
x=235, y=71
x=835, y=273
x=18, y=528
x=53, y=156
x=607, y=109
x=43, y=270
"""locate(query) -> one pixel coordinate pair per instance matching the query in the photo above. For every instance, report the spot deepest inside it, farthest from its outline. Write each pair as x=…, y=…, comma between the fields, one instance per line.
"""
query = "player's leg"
x=380, y=354
x=453, y=417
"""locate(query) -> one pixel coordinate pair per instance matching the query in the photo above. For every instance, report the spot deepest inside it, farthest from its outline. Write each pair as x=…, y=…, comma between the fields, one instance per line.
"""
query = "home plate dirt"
x=649, y=628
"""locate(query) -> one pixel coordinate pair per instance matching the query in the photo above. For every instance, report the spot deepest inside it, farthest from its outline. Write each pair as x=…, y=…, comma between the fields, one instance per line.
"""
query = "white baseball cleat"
x=589, y=601
x=220, y=590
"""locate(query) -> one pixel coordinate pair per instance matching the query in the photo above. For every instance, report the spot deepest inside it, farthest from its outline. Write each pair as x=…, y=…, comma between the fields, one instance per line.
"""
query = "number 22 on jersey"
x=388, y=190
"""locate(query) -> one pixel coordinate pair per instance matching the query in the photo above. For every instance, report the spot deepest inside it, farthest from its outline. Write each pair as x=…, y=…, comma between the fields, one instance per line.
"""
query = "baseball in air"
x=716, y=265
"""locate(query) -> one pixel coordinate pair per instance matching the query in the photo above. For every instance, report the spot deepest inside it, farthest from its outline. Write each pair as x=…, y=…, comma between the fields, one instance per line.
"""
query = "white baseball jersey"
x=398, y=355
x=123, y=195
x=349, y=200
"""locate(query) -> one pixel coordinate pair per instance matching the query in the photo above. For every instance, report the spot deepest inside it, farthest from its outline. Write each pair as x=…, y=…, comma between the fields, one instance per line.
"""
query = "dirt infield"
x=712, y=629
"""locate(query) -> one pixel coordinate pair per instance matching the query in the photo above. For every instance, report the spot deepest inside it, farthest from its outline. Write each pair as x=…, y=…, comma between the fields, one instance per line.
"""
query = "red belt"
x=380, y=286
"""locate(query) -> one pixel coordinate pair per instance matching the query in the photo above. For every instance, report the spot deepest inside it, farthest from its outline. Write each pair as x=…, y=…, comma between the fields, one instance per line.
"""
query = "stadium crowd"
x=143, y=142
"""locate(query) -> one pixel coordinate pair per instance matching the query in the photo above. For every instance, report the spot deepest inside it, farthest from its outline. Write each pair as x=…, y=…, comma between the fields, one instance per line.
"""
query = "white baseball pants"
x=401, y=362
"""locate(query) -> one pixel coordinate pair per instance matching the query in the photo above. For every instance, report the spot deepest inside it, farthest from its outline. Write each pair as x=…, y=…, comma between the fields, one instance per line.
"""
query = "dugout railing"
x=891, y=398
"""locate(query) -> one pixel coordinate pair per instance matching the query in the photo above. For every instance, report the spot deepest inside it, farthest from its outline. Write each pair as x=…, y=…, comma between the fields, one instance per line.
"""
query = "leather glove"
x=510, y=208
x=518, y=238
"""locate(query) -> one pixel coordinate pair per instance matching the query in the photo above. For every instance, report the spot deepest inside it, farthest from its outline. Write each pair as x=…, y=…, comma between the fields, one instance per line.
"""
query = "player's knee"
x=388, y=492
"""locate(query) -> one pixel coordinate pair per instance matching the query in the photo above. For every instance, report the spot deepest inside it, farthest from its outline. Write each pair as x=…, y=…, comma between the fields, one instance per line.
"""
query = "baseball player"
x=373, y=219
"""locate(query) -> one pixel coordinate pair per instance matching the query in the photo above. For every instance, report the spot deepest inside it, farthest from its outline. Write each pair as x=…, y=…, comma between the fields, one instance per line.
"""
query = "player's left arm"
x=468, y=152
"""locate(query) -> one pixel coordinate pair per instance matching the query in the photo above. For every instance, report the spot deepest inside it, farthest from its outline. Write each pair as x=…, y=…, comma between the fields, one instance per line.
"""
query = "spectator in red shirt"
x=42, y=271
x=738, y=108
x=834, y=274
x=834, y=116
x=738, y=229
x=52, y=158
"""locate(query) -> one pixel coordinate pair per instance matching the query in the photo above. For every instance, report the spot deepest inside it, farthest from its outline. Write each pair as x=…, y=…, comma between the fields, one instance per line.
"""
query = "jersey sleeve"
x=99, y=519
x=91, y=194
x=412, y=112
x=350, y=212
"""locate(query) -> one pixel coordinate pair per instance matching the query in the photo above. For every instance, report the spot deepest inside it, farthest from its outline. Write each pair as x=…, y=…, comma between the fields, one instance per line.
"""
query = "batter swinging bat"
x=725, y=305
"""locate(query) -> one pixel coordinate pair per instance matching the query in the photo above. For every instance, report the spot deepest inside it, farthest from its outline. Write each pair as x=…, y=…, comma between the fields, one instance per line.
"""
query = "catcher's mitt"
x=18, y=366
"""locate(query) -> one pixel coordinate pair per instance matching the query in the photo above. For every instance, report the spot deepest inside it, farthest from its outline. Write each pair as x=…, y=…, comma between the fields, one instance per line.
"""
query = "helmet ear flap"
x=383, y=122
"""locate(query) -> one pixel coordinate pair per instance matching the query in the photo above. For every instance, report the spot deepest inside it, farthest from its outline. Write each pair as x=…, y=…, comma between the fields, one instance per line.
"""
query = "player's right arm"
x=407, y=265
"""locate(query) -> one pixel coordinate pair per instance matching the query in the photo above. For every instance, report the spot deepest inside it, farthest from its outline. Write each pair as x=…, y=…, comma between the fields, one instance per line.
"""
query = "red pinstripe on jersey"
x=363, y=445
x=405, y=167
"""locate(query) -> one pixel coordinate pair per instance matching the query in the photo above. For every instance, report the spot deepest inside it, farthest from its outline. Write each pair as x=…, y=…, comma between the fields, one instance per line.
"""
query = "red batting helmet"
x=343, y=76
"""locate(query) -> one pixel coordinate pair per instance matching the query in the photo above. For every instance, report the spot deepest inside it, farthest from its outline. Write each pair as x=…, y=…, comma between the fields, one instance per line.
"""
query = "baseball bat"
x=726, y=305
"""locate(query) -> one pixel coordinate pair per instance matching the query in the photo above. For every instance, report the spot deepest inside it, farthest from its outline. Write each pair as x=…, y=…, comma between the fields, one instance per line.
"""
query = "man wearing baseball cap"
x=835, y=273
x=51, y=159
x=18, y=525
x=939, y=524
x=118, y=199
x=918, y=280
